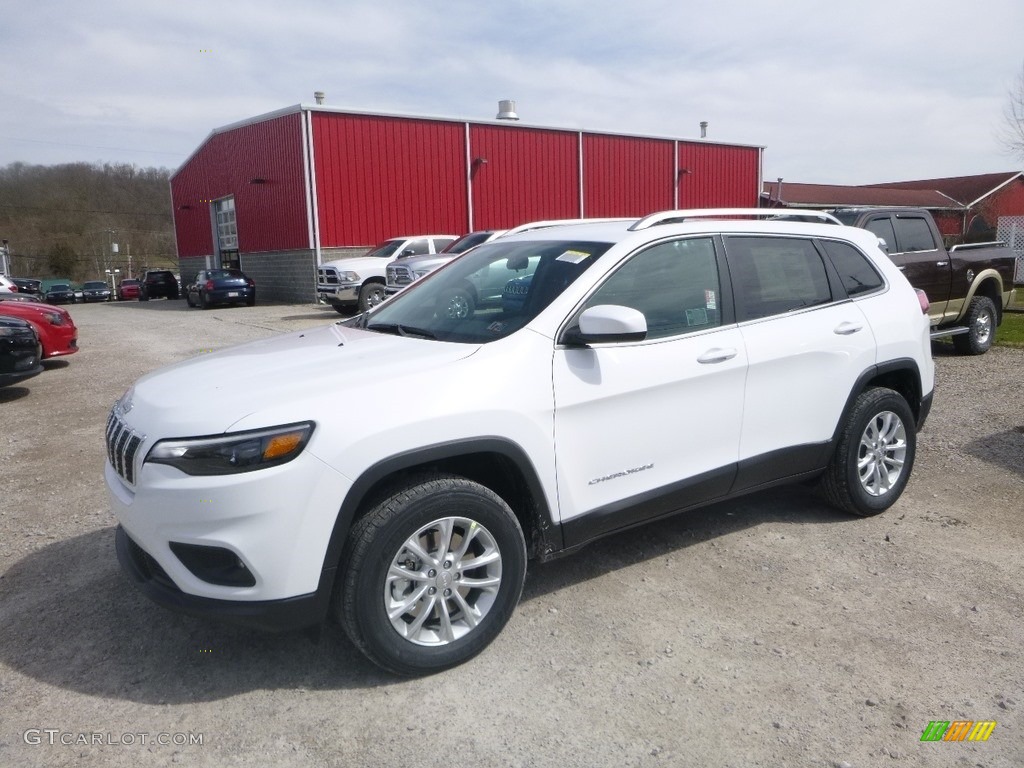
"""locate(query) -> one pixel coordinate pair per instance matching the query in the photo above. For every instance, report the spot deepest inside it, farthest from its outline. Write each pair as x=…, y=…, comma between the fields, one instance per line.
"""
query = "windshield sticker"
x=709, y=299
x=573, y=257
x=696, y=316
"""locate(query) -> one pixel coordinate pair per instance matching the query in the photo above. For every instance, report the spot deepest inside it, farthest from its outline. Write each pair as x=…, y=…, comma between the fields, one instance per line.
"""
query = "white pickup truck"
x=360, y=281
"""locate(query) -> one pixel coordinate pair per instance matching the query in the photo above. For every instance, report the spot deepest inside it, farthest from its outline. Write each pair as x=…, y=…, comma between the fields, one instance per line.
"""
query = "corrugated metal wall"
x=627, y=176
x=718, y=175
x=271, y=216
x=380, y=177
x=530, y=174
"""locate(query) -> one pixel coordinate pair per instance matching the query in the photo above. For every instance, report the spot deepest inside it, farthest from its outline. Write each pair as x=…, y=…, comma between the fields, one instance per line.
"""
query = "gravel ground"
x=770, y=631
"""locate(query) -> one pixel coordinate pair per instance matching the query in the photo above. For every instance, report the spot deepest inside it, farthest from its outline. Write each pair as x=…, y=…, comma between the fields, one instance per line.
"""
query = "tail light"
x=922, y=299
x=209, y=285
x=252, y=283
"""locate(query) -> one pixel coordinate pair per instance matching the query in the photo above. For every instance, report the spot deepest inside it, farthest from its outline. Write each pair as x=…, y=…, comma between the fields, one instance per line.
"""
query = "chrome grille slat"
x=122, y=446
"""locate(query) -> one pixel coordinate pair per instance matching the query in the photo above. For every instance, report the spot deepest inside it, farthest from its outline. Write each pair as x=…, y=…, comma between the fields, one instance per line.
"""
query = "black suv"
x=157, y=283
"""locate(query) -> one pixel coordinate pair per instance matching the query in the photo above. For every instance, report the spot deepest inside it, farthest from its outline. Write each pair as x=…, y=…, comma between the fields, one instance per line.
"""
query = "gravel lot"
x=771, y=631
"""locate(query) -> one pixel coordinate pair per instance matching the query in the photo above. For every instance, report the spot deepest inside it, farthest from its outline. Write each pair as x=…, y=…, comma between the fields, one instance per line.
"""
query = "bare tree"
x=1012, y=134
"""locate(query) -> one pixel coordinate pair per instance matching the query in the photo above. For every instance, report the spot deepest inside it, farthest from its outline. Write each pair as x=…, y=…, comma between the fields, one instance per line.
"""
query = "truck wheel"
x=874, y=455
x=341, y=309
x=457, y=305
x=431, y=574
x=370, y=295
x=981, y=319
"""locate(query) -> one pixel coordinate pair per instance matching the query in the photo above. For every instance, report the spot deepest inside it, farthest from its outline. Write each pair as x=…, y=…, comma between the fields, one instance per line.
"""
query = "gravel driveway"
x=770, y=631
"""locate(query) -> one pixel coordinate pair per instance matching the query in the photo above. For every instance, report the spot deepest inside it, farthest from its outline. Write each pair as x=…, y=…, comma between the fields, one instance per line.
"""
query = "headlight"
x=238, y=452
x=350, y=277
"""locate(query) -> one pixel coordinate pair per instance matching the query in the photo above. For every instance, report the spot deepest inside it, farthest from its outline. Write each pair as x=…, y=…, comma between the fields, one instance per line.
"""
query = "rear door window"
x=914, y=234
x=882, y=228
x=775, y=275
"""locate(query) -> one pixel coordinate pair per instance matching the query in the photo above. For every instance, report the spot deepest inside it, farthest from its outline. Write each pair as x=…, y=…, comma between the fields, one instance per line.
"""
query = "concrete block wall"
x=287, y=276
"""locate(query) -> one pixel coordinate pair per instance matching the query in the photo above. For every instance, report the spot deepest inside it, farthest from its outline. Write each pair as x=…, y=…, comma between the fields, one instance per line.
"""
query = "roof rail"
x=717, y=213
x=558, y=222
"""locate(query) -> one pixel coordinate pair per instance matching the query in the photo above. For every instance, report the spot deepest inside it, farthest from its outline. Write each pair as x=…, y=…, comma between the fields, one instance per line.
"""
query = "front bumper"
x=270, y=615
x=346, y=293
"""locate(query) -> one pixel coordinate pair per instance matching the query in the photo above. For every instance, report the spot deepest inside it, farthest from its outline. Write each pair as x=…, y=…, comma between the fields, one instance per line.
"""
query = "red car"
x=57, y=331
x=127, y=289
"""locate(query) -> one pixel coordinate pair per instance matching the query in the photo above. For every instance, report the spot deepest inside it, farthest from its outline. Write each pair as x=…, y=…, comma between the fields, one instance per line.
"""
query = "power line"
x=92, y=146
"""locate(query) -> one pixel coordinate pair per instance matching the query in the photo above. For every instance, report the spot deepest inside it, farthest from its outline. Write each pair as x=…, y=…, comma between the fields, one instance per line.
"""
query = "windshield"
x=848, y=217
x=95, y=284
x=485, y=294
x=218, y=274
x=60, y=287
x=386, y=248
x=466, y=242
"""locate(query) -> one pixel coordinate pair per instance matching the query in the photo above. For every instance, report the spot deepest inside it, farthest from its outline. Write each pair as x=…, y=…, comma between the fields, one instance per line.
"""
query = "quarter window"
x=854, y=268
x=675, y=285
x=773, y=275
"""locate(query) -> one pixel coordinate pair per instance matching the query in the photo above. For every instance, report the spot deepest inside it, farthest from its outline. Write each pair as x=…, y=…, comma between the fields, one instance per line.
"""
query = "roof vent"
x=703, y=129
x=319, y=96
x=507, y=110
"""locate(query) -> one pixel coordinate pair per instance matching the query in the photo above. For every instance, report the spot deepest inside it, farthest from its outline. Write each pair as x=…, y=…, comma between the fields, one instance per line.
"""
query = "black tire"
x=251, y=301
x=341, y=309
x=377, y=541
x=204, y=300
x=457, y=305
x=981, y=320
x=370, y=295
x=876, y=411
x=143, y=296
x=188, y=299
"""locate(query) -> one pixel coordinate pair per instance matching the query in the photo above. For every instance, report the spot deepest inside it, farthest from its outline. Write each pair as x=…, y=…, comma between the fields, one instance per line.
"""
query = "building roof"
x=967, y=190
x=831, y=195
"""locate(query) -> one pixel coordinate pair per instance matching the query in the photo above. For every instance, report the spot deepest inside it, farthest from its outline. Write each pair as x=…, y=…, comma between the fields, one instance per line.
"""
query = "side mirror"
x=883, y=245
x=607, y=323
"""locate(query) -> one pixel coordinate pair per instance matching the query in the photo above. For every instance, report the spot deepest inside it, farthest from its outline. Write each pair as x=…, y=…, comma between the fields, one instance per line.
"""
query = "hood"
x=291, y=377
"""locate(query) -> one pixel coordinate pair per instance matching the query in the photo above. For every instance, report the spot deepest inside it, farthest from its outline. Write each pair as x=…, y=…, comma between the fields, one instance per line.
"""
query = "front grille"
x=122, y=445
x=398, y=275
x=327, y=276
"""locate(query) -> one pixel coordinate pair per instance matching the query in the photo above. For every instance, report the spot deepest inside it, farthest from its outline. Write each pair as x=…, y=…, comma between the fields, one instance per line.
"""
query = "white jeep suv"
x=644, y=368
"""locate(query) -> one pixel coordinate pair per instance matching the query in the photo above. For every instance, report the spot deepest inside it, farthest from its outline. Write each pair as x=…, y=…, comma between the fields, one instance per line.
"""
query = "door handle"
x=845, y=329
x=717, y=355
x=900, y=268
x=941, y=263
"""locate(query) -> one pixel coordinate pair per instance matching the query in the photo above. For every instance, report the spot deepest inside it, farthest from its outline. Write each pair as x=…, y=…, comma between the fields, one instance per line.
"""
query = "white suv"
x=643, y=369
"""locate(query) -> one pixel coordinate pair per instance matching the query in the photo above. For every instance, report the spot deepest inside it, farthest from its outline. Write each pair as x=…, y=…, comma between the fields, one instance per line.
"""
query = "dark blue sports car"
x=220, y=286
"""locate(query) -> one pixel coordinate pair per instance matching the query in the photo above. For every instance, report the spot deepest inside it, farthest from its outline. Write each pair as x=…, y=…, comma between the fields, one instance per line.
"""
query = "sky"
x=837, y=93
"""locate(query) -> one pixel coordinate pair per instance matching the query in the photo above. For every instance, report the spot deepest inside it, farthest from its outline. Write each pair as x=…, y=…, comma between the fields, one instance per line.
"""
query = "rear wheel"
x=981, y=320
x=874, y=456
x=431, y=574
x=204, y=300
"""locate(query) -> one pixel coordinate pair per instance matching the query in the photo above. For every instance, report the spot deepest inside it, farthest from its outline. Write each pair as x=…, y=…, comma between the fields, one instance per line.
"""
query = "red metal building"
x=281, y=193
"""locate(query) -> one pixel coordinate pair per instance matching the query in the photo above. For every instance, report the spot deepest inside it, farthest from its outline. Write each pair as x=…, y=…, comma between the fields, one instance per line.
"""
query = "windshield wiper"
x=401, y=330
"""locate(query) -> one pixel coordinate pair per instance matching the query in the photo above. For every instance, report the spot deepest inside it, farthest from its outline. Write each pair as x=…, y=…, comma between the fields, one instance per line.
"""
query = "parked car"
x=20, y=352
x=28, y=285
x=19, y=296
x=360, y=282
x=7, y=285
x=158, y=283
x=968, y=286
x=60, y=293
x=221, y=286
x=95, y=290
x=57, y=331
x=128, y=289
x=406, y=463
x=403, y=271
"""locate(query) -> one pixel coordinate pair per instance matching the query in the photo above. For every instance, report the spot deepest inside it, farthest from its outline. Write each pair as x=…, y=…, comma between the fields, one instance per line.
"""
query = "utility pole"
x=5, y=255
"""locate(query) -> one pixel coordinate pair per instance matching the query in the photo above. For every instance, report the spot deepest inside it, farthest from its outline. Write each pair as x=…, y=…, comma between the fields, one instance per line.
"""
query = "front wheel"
x=874, y=455
x=370, y=295
x=981, y=322
x=431, y=574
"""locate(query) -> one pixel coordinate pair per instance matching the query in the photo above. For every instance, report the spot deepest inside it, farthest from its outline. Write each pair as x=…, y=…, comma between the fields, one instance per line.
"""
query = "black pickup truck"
x=968, y=286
